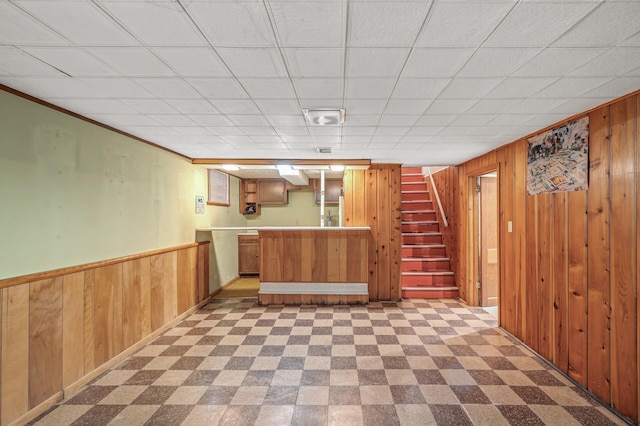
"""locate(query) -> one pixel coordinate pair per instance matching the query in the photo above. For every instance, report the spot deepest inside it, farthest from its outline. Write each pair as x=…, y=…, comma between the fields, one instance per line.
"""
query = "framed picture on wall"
x=218, y=188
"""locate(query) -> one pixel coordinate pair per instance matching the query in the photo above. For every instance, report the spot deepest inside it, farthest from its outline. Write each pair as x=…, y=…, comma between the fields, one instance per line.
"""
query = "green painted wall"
x=72, y=193
x=301, y=211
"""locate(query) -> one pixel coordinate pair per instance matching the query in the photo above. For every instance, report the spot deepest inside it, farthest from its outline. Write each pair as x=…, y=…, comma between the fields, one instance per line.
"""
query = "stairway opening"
x=426, y=270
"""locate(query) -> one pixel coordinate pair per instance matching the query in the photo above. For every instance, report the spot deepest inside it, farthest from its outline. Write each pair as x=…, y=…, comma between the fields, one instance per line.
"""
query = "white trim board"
x=314, y=288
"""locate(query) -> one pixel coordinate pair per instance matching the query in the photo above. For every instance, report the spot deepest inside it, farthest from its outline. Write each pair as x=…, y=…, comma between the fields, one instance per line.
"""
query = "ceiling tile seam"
x=39, y=21
x=343, y=58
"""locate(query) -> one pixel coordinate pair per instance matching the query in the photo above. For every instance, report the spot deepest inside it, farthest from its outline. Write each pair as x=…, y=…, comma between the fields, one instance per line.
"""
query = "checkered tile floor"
x=415, y=362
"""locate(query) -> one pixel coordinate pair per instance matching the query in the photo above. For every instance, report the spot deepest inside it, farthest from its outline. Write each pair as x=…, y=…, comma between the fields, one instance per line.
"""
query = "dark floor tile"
x=589, y=416
x=281, y=395
x=343, y=363
x=99, y=415
x=380, y=323
x=218, y=395
x=380, y=415
x=474, y=339
x=224, y=350
x=324, y=315
x=414, y=350
x=144, y=377
x=363, y=331
x=404, y=331
x=429, y=377
x=134, y=363
x=367, y=350
x=201, y=378
x=419, y=323
x=175, y=350
x=254, y=340
x=520, y=415
x=468, y=394
x=280, y=331
x=303, y=323
x=432, y=340
x=215, y=317
x=432, y=317
x=342, y=323
x=165, y=340
x=315, y=378
x=543, y=378
x=198, y=331
x=342, y=340
x=319, y=350
x=265, y=323
x=189, y=324
x=360, y=316
x=462, y=350
x=288, y=315
x=450, y=415
x=499, y=363
x=169, y=415
x=226, y=323
x=291, y=363
x=240, y=415
x=533, y=395
x=321, y=331
x=308, y=309
x=187, y=363
x=344, y=395
x=445, y=331
x=271, y=350
x=372, y=377
x=154, y=395
x=309, y=415
x=211, y=340
x=447, y=362
x=457, y=323
x=485, y=377
x=407, y=394
x=91, y=395
x=511, y=350
x=387, y=340
x=239, y=363
x=395, y=362
x=252, y=316
x=298, y=340
x=448, y=310
x=239, y=331
x=258, y=378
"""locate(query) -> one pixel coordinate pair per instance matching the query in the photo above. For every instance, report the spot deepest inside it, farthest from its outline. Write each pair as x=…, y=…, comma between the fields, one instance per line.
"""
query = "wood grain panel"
x=107, y=287
x=560, y=270
x=545, y=275
x=383, y=237
x=371, y=207
x=598, y=329
x=157, y=292
x=395, y=222
x=136, y=321
x=320, y=258
x=45, y=339
x=72, y=328
x=203, y=271
x=89, y=321
x=14, y=374
x=577, y=288
x=185, y=281
x=347, y=211
x=533, y=312
x=519, y=229
x=170, y=286
x=623, y=255
x=333, y=252
x=508, y=264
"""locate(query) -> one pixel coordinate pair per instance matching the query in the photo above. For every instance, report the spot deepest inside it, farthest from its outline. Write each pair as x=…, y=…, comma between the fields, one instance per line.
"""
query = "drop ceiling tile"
x=193, y=61
x=173, y=120
x=333, y=103
x=632, y=41
x=294, y=131
x=436, y=63
x=117, y=120
x=97, y=106
x=292, y=138
x=450, y=106
x=391, y=130
x=436, y=119
x=258, y=130
x=248, y=120
x=62, y=87
x=462, y=24
x=268, y=88
x=456, y=131
x=428, y=88
x=609, y=24
x=71, y=61
x=359, y=131
x=286, y=120
x=132, y=61
x=537, y=24
x=385, y=139
x=473, y=120
x=578, y=105
x=536, y=106
x=385, y=24
x=371, y=106
x=218, y=88
x=233, y=24
x=192, y=106
x=613, y=62
x=156, y=24
x=571, y=87
x=318, y=88
x=615, y=88
x=277, y=146
x=424, y=131
x=357, y=120
x=275, y=106
x=465, y=88
x=235, y=106
x=353, y=140
x=224, y=129
x=492, y=106
x=557, y=62
x=116, y=87
x=149, y=106
x=514, y=88
x=496, y=62
x=544, y=120
x=253, y=62
x=399, y=120
x=169, y=88
x=407, y=106
x=374, y=62
x=510, y=120
x=81, y=22
x=369, y=88
x=315, y=62
x=308, y=24
x=15, y=62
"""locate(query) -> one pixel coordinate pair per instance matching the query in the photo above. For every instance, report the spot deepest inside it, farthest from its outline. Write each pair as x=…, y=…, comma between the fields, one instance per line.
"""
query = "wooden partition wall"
x=60, y=329
x=569, y=268
x=373, y=198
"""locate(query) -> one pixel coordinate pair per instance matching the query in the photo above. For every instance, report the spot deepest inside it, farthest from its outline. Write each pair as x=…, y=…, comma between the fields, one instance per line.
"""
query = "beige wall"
x=73, y=193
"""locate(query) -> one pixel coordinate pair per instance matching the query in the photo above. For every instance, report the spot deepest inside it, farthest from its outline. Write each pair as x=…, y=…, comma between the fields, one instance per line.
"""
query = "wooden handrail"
x=435, y=191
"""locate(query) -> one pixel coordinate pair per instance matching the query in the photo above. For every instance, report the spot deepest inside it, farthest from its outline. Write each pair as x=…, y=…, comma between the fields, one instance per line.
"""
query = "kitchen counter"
x=284, y=228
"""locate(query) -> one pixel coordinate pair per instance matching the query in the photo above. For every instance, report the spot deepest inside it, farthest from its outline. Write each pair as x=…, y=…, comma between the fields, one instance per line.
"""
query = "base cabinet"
x=248, y=255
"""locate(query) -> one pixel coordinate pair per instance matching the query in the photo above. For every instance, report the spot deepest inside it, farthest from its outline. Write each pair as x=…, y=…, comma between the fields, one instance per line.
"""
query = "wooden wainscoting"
x=59, y=329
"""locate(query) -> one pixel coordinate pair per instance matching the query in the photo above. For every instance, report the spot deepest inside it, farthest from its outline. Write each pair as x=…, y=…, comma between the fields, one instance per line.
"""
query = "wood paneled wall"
x=61, y=328
x=373, y=198
x=569, y=269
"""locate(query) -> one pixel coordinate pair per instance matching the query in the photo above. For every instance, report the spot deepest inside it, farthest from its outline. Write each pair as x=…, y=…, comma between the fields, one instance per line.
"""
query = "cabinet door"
x=248, y=250
x=332, y=191
x=272, y=191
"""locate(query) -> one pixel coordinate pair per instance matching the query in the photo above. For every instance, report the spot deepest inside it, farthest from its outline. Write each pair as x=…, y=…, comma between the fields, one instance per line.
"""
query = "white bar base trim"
x=360, y=289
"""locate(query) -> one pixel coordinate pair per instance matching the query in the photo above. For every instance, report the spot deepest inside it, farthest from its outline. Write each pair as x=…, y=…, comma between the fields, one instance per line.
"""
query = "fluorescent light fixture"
x=284, y=167
x=324, y=116
x=296, y=177
x=230, y=167
x=337, y=168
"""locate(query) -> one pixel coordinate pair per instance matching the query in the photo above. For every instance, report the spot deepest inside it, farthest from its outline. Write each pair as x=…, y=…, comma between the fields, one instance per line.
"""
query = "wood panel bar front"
x=319, y=266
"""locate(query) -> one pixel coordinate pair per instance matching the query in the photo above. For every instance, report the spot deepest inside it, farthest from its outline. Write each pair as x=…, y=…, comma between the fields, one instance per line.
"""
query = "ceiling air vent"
x=324, y=116
x=323, y=150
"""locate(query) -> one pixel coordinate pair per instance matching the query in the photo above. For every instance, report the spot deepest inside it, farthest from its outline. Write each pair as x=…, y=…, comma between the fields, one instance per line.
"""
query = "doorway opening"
x=485, y=218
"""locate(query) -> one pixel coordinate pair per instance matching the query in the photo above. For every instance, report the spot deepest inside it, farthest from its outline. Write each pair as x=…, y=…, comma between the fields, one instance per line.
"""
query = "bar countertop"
x=284, y=228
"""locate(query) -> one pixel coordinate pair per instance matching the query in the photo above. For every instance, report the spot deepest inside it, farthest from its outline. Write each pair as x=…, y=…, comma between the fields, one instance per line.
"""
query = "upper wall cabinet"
x=272, y=191
x=332, y=190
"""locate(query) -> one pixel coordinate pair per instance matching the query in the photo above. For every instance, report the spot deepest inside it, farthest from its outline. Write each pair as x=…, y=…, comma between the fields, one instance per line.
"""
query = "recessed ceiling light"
x=230, y=167
x=337, y=168
x=324, y=116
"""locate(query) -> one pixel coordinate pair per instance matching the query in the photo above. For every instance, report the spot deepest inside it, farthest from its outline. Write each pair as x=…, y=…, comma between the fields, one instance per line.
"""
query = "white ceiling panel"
x=436, y=119
x=248, y=120
x=278, y=106
x=450, y=106
x=309, y=24
x=536, y=106
x=374, y=62
x=156, y=24
x=117, y=87
x=168, y=88
x=493, y=106
x=357, y=120
x=18, y=28
x=233, y=24
x=461, y=88
x=15, y=62
x=63, y=87
x=193, y=61
x=462, y=24
x=192, y=106
x=235, y=106
x=537, y=23
x=253, y=62
x=370, y=106
x=496, y=62
x=436, y=63
x=318, y=88
x=369, y=88
x=392, y=130
x=218, y=88
x=315, y=62
x=571, y=87
x=150, y=106
x=428, y=88
x=514, y=88
x=268, y=88
x=556, y=62
x=285, y=120
x=81, y=22
x=407, y=106
x=131, y=61
x=71, y=61
x=614, y=62
x=618, y=87
x=173, y=120
x=97, y=106
x=384, y=24
x=396, y=120
x=473, y=119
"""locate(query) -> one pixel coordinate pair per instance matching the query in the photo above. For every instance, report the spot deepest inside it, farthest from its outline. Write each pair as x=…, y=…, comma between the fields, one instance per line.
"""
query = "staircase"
x=426, y=272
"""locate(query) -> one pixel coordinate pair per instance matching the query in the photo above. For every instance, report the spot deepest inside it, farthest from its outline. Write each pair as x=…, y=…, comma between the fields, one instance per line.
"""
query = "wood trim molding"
x=267, y=162
x=10, y=282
